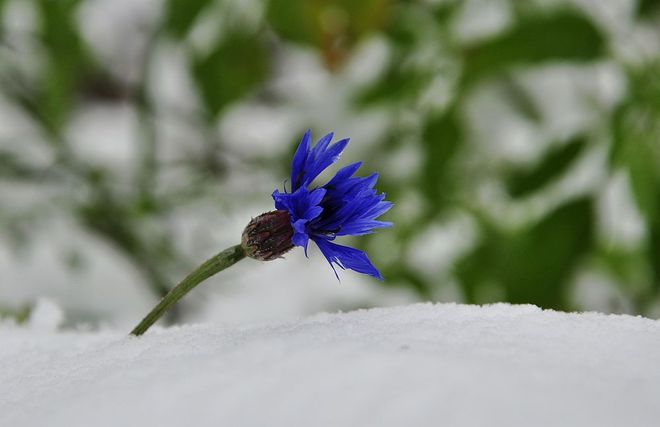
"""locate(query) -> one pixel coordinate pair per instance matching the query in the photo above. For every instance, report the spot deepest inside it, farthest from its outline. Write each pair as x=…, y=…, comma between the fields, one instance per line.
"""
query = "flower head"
x=345, y=206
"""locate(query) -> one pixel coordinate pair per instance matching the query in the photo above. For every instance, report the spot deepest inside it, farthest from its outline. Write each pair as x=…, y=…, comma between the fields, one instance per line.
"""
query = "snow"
x=422, y=364
x=45, y=316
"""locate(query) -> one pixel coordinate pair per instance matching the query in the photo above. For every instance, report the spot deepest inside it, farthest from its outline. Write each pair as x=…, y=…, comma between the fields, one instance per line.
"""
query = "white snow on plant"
x=45, y=316
x=417, y=365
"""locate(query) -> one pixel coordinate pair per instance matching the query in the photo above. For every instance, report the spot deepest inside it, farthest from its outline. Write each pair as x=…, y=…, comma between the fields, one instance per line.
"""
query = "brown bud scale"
x=268, y=236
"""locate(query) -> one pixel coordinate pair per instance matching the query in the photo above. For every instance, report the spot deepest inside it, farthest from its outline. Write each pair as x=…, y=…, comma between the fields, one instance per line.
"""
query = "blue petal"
x=300, y=236
x=322, y=160
x=379, y=208
x=316, y=196
x=321, y=146
x=351, y=205
x=281, y=200
x=362, y=227
x=308, y=163
x=313, y=212
x=347, y=257
x=343, y=174
x=300, y=204
x=299, y=160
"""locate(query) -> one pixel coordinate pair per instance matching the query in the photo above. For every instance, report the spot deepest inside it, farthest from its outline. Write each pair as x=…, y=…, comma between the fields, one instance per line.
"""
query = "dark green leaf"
x=533, y=265
x=441, y=138
x=653, y=255
x=296, y=20
x=635, y=128
x=397, y=85
x=564, y=35
x=68, y=61
x=2, y=9
x=541, y=260
x=521, y=182
x=644, y=179
x=236, y=66
x=636, y=148
x=318, y=23
x=520, y=100
x=444, y=12
x=180, y=15
x=647, y=8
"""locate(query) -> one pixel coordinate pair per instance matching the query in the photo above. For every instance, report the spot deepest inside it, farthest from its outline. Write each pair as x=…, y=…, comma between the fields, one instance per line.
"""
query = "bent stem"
x=214, y=265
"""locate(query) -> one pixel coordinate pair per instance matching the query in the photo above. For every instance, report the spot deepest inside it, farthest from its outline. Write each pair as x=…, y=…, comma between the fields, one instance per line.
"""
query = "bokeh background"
x=519, y=140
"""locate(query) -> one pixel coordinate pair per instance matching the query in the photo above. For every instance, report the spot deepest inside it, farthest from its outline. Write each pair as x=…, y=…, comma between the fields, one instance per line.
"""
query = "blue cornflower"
x=345, y=206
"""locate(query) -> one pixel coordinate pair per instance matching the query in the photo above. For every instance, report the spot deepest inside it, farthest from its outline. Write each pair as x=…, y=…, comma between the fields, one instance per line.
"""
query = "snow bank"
x=449, y=365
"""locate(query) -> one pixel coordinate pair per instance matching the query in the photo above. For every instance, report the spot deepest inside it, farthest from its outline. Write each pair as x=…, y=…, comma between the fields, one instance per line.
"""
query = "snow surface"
x=422, y=364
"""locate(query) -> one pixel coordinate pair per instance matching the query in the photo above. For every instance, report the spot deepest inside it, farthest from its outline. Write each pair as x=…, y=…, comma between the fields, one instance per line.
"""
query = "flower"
x=345, y=206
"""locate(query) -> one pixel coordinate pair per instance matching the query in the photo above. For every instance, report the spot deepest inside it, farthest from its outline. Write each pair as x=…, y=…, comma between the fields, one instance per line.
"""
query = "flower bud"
x=268, y=236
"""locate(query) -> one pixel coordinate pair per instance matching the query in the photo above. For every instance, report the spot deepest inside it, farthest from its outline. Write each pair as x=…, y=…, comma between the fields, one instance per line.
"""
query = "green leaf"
x=522, y=182
x=14, y=168
x=532, y=265
x=442, y=137
x=180, y=15
x=20, y=314
x=68, y=61
x=398, y=84
x=551, y=250
x=635, y=128
x=636, y=147
x=520, y=100
x=627, y=265
x=235, y=66
x=2, y=9
x=564, y=35
x=647, y=8
x=319, y=22
x=644, y=180
x=653, y=256
x=296, y=20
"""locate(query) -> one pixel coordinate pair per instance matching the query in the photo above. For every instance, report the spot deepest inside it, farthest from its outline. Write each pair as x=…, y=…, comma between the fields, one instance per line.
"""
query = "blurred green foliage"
x=557, y=36
x=523, y=181
x=544, y=253
x=534, y=259
x=233, y=68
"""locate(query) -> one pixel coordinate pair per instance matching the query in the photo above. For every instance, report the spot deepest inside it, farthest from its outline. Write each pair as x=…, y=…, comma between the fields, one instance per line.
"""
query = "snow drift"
x=424, y=364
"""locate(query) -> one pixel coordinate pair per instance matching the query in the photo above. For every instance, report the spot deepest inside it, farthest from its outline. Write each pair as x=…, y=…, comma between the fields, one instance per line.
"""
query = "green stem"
x=216, y=264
